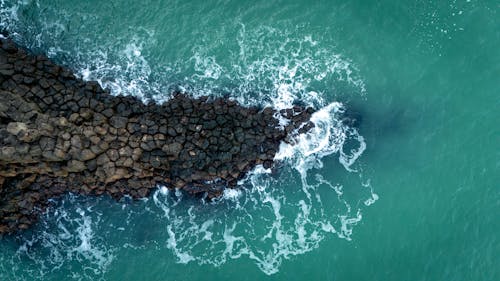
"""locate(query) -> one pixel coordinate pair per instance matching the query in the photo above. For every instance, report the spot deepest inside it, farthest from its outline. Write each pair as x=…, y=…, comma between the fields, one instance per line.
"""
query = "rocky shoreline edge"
x=60, y=134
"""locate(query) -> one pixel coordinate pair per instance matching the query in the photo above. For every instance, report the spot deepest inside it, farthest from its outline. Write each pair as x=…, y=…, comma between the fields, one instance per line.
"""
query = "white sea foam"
x=65, y=239
x=277, y=224
x=271, y=217
x=8, y=15
x=231, y=194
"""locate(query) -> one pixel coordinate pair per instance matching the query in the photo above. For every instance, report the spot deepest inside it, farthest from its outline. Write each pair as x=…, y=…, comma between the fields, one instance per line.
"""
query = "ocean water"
x=412, y=193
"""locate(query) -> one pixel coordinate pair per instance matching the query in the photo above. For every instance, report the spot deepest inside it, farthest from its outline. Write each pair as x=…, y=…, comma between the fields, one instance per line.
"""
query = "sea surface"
x=411, y=192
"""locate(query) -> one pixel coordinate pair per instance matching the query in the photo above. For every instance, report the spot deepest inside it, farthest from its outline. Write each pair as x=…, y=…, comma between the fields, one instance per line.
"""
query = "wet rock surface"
x=60, y=134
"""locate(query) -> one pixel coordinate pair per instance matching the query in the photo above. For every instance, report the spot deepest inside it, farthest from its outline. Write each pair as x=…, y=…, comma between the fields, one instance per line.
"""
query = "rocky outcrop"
x=60, y=134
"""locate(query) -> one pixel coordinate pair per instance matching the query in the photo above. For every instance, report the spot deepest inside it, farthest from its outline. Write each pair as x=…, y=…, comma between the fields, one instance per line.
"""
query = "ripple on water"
x=274, y=216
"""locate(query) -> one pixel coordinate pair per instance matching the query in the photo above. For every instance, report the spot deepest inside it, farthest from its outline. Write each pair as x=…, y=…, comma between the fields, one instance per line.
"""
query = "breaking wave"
x=273, y=215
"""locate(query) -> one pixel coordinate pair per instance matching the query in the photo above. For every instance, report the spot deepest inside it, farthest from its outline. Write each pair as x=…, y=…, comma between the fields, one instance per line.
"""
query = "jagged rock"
x=60, y=154
x=136, y=154
x=86, y=155
x=102, y=160
x=118, y=174
x=7, y=152
x=6, y=72
x=118, y=122
x=172, y=149
x=60, y=134
x=16, y=127
x=171, y=132
x=113, y=155
x=75, y=166
x=76, y=141
x=101, y=130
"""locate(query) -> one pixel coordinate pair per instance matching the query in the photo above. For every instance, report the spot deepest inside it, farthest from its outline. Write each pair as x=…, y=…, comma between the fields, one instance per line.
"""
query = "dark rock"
x=60, y=134
x=44, y=83
x=87, y=154
x=75, y=166
x=113, y=154
x=210, y=125
x=108, y=112
x=118, y=122
x=171, y=132
x=76, y=142
x=7, y=72
x=102, y=160
x=172, y=149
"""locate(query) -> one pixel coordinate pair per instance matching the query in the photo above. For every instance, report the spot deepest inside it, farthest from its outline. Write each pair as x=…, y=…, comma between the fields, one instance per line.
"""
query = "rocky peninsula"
x=61, y=134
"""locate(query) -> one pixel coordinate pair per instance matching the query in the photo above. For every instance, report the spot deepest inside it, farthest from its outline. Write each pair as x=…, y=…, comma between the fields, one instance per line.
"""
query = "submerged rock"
x=60, y=134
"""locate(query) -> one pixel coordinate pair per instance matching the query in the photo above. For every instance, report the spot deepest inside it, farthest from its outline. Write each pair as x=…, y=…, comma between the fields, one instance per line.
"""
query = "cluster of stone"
x=60, y=134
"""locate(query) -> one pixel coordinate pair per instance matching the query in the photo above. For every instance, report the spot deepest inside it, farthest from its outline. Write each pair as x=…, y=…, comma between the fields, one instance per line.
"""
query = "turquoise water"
x=412, y=194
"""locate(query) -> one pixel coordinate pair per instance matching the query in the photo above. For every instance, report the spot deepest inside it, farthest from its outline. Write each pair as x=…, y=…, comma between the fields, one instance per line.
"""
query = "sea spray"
x=271, y=217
